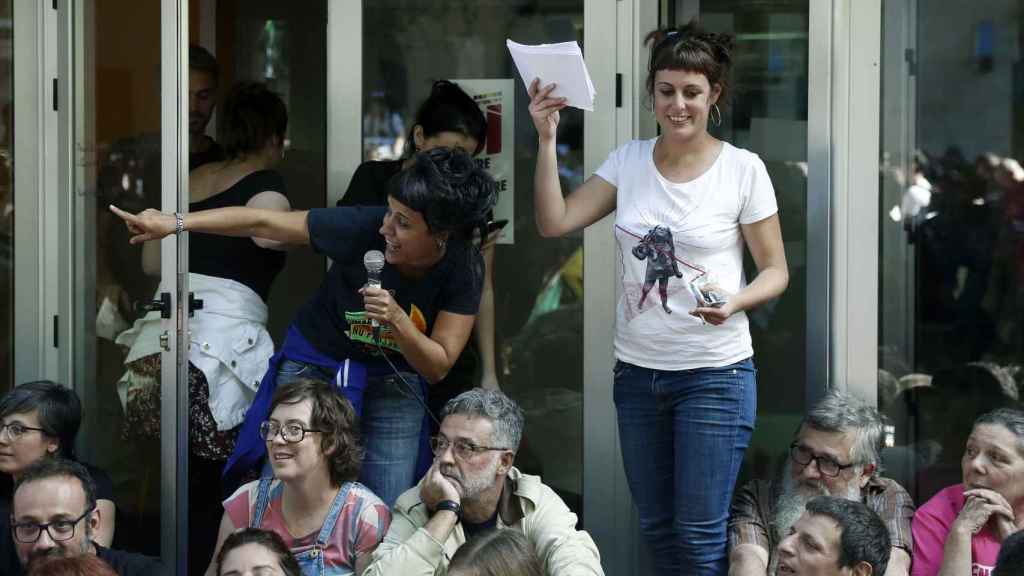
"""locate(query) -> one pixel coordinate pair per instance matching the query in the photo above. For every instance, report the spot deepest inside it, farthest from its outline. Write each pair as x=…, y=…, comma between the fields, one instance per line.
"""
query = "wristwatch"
x=451, y=506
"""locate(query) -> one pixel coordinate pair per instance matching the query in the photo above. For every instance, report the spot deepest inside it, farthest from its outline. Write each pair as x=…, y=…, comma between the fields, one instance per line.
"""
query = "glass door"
x=534, y=345
x=768, y=115
x=123, y=127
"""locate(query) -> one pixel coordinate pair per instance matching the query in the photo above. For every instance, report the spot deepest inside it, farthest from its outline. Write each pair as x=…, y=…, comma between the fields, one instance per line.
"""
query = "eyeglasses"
x=16, y=430
x=464, y=449
x=292, y=433
x=826, y=465
x=59, y=530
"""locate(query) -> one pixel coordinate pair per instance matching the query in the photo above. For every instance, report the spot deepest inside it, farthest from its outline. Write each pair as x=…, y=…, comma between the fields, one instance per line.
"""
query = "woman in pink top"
x=959, y=531
x=330, y=523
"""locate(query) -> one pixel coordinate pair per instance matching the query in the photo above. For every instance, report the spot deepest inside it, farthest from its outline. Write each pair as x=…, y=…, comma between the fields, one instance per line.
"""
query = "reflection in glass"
x=538, y=282
x=951, y=223
x=6, y=197
x=768, y=115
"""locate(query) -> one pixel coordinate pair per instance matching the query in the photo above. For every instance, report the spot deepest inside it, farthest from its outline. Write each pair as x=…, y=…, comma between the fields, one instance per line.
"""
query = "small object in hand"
x=708, y=294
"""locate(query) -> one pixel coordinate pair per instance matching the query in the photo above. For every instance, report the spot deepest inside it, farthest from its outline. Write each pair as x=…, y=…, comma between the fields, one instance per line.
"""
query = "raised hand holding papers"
x=560, y=63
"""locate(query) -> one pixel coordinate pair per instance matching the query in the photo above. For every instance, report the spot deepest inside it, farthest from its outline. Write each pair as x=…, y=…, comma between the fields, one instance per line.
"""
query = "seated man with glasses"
x=473, y=487
x=54, y=513
x=835, y=453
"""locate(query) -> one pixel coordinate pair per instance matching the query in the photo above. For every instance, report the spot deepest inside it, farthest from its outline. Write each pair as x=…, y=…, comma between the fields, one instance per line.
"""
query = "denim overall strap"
x=262, y=502
x=332, y=515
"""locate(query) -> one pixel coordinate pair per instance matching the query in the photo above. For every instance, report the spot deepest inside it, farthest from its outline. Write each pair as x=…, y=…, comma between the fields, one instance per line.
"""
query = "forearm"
x=427, y=357
x=287, y=227
x=548, y=202
x=769, y=283
x=485, y=323
x=441, y=524
x=748, y=560
x=956, y=557
x=899, y=563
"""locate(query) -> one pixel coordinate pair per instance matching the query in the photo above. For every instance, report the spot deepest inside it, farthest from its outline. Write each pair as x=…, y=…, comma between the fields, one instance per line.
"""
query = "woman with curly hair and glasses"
x=313, y=502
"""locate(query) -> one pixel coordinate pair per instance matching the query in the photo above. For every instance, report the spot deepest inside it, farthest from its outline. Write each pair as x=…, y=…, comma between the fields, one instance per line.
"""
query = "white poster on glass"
x=496, y=97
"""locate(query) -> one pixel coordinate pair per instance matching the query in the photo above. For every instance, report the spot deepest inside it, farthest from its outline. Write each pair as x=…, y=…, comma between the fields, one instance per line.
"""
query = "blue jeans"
x=390, y=423
x=683, y=435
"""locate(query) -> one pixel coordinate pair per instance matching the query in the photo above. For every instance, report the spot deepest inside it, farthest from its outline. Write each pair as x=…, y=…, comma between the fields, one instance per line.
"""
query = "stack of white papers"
x=560, y=63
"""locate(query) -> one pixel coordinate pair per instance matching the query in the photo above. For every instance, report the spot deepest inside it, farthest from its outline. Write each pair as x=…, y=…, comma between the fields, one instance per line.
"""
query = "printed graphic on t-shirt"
x=658, y=250
x=979, y=570
x=360, y=329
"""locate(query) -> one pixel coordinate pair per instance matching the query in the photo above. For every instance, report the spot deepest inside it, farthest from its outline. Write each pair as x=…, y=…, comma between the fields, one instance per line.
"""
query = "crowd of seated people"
x=828, y=509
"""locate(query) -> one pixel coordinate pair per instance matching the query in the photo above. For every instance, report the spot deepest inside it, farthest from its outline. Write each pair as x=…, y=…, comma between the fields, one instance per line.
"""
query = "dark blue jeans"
x=683, y=435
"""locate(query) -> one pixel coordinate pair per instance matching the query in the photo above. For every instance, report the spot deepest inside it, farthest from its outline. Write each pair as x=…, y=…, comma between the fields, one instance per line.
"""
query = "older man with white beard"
x=472, y=487
x=835, y=453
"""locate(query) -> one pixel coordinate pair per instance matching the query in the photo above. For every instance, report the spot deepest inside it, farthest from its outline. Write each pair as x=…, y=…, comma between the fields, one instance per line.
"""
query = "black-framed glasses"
x=826, y=465
x=16, y=430
x=464, y=449
x=292, y=433
x=59, y=530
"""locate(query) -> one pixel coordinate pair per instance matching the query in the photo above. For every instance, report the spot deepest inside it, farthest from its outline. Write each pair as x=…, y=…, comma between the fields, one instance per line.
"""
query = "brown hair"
x=333, y=414
x=496, y=553
x=79, y=565
x=270, y=540
x=693, y=49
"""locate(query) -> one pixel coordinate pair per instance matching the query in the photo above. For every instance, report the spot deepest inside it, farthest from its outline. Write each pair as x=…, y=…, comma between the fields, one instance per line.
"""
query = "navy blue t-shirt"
x=334, y=321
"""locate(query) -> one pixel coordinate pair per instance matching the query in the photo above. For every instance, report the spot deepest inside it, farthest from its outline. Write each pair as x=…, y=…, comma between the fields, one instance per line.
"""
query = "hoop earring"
x=716, y=110
x=441, y=244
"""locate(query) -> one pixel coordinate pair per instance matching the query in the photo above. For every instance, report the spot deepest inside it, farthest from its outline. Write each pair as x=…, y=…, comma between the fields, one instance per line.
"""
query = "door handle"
x=193, y=304
x=163, y=305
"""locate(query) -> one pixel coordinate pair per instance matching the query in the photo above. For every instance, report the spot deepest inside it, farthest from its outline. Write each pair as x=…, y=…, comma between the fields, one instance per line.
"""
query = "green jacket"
x=526, y=505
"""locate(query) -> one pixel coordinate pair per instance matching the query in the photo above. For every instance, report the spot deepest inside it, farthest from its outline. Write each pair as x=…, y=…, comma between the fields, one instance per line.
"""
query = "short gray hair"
x=839, y=412
x=1009, y=418
x=505, y=415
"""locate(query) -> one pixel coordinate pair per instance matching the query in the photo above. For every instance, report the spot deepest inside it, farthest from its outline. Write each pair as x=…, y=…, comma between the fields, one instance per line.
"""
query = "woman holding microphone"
x=432, y=280
x=686, y=203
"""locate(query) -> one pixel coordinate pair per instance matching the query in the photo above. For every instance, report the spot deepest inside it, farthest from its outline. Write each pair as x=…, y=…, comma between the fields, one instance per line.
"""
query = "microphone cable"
x=408, y=386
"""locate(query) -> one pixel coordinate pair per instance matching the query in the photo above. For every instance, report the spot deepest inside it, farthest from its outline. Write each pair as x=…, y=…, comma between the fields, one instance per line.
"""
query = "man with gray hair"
x=835, y=453
x=472, y=487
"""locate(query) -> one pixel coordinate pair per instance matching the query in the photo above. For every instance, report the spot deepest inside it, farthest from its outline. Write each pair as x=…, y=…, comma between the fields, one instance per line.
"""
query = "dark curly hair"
x=252, y=115
x=333, y=414
x=449, y=109
x=269, y=540
x=58, y=408
x=449, y=189
x=693, y=49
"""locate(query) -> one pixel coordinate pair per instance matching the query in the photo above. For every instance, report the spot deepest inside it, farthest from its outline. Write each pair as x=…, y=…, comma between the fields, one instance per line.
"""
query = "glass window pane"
x=538, y=321
x=767, y=114
x=950, y=224
x=6, y=196
x=115, y=97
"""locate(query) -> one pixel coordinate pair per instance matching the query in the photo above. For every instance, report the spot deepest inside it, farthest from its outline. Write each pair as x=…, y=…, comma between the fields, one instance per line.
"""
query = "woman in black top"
x=450, y=118
x=368, y=341
x=230, y=344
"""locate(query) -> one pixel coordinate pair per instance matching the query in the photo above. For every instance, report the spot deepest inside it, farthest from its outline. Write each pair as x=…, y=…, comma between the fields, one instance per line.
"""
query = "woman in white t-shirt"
x=685, y=203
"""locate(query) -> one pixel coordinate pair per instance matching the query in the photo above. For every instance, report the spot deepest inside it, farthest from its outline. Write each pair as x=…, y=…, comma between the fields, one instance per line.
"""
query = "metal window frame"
x=174, y=41
x=36, y=259
x=855, y=82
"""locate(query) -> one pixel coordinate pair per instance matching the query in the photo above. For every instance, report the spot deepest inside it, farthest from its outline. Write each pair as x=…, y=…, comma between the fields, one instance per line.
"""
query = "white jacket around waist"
x=229, y=343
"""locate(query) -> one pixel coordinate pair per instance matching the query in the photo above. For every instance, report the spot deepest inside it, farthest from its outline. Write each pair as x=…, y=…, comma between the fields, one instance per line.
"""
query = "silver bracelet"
x=179, y=223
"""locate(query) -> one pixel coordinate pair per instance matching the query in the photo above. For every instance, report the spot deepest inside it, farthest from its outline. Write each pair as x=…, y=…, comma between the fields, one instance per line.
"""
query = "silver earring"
x=441, y=244
x=716, y=110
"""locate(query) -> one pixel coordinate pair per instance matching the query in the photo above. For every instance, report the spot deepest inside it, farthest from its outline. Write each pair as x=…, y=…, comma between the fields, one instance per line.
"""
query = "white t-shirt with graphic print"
x=669, y=234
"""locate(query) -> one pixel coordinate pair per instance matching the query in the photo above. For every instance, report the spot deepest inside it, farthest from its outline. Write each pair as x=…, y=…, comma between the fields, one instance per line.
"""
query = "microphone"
x=373, y=260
